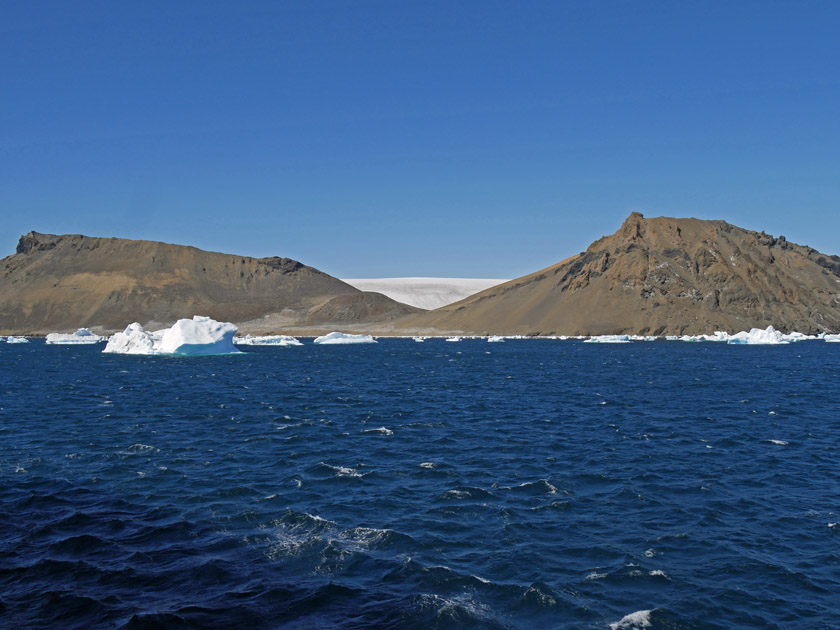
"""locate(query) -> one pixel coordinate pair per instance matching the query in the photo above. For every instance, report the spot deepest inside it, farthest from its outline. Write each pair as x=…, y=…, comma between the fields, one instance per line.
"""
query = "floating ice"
x=832, y=338
x=17, y=340
x=81, y=336
x=453, y=339
x=756, y=336
x=336, y=338
x=199, y=335
x=608, y=339
x=495, y=339
x=419, y=339
x=267, y=340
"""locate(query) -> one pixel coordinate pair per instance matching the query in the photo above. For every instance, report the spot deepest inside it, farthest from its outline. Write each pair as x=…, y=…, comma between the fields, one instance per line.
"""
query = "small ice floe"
x=608, y=339
x=338, y=338
x=758, y=337
x=428, y=465
x=13, y=339
x=196, y=336
x=779, y=442
x=267, y=340
x=419, y=339
x=495, y=339
x=81, y=336
x=638, y=619
x=453, y=339
x=832, y=338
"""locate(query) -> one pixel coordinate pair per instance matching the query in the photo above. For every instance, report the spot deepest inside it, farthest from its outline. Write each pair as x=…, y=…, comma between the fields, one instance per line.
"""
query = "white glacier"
x=337, y=338
x=81, y=336
x=199, y=335
x=267, y=340
x=428, y=293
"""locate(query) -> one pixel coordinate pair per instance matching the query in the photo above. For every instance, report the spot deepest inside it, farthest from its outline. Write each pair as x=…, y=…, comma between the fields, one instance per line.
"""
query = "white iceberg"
x=419, y=339
x=267, y=340
x=832, y=338
x=453, y=339
x=495, y=339
x=336, y=338
x=757, y=336
x=199, y=335
x=608, y=339
x=81, y=336
x=12, y=339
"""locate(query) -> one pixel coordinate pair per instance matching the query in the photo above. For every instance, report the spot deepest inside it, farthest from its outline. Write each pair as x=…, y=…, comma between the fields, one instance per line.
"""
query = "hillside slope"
x=659, y=276
x=62, y=282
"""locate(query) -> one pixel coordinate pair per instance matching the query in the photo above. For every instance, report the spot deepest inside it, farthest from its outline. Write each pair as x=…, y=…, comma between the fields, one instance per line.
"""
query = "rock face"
x=659, y=276
x=58, y=283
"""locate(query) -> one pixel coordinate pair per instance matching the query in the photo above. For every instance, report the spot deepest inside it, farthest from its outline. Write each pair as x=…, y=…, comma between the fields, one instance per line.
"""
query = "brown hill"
x=659, y=276
x=56, y=283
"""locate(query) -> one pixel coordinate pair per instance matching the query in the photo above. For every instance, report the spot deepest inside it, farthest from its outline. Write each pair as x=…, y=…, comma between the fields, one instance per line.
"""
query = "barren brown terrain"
x=658, y=276
x=59, y=283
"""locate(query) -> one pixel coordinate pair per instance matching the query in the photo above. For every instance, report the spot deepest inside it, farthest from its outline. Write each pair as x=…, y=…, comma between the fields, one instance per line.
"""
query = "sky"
x=416, y=138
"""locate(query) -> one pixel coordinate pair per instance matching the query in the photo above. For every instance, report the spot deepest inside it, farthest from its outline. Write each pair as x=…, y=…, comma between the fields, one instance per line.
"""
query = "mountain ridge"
x=658, y=276
x=60, y=282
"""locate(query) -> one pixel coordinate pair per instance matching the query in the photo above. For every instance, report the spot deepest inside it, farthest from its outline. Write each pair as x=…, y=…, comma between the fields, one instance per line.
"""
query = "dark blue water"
x=530, y=484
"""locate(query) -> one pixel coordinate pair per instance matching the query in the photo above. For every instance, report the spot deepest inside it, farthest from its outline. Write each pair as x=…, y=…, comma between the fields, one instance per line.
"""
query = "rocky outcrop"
x=660, y=276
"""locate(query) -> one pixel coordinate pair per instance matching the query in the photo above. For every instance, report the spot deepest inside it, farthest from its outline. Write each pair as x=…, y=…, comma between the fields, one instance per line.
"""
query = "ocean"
x=526, y=484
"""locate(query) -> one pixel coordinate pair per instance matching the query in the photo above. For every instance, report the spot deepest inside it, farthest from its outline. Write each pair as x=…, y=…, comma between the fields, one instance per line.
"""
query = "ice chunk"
x=608, y=339
x=199, y=335
x=832, y=338
x=336, y=338
x=81, y=336
x=757, y=336
x=495, y=339
x=17, y=340
x=267, y=340
x=453, y=339
x=419, y=339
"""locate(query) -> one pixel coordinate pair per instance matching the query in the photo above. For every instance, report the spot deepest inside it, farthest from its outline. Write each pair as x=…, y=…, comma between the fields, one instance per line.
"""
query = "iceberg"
x=81, y=336
x=199, y=335
x=336, y=338
x=757, y=336
x=832, y=338
x=495, y=339
x=17, y=340
x=608, y=339
x=453, y=339
x=267, y=340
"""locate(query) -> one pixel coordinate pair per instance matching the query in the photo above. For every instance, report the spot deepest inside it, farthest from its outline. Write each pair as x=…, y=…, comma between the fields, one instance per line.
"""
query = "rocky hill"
x=56, y=283
x=659, y=276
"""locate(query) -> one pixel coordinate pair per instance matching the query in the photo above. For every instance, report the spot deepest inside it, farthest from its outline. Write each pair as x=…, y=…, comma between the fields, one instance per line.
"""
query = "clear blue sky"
x=475, y=139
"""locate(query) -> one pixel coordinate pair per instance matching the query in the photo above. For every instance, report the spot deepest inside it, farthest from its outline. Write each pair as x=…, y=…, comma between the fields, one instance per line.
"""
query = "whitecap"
x=429, y=465
x=638, y=619
x=595, y=576
x=380, y=430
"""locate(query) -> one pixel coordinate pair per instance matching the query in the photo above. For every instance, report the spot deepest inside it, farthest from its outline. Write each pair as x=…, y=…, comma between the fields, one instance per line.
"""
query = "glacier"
x=337, y=338
x=81, y=336
x=427, y=293
x=196, y=336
